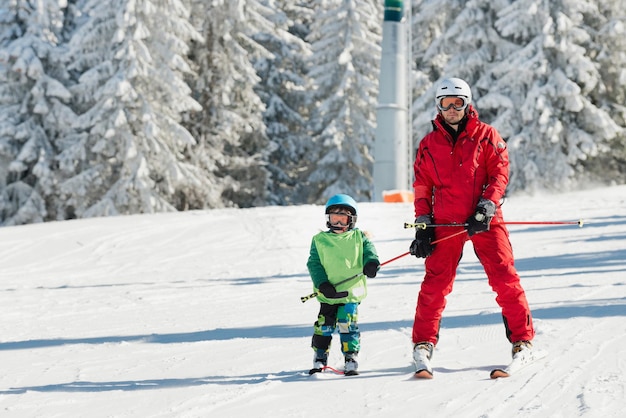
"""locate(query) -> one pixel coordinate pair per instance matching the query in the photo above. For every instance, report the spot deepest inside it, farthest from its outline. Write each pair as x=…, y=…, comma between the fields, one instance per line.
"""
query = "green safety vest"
x=335, y=257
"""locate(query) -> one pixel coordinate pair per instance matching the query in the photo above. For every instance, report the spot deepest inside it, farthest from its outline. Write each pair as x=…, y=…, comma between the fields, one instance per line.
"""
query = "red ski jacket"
x=451, y=177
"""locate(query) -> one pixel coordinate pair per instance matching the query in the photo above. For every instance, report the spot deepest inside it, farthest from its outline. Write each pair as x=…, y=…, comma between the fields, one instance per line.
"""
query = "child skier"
x=339, y=253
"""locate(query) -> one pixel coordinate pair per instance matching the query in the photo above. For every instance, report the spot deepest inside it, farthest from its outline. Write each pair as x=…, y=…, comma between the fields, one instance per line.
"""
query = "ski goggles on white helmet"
x=456, y=102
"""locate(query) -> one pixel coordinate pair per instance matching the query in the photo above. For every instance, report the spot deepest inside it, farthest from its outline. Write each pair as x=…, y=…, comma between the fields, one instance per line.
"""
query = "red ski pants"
x=494, y=251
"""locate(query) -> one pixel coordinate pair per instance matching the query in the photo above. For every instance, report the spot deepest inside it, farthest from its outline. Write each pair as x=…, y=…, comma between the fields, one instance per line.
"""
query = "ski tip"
x=497, y=373
x=423, y=374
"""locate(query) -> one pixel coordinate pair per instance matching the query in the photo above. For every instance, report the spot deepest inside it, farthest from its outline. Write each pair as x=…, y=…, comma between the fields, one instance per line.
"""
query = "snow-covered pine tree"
x=458, y=41
x=609, y=35
x=33, y=108
x=283, y=91
x=543, y=94
x=607, y=29
x=300, y=15
x=127, y=153
x=345, y=38
x=530, y=68
x=230, y=131
x=431, y=49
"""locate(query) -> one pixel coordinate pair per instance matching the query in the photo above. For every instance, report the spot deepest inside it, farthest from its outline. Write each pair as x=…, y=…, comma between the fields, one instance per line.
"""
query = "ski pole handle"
x=316, y=294
x=311, y=296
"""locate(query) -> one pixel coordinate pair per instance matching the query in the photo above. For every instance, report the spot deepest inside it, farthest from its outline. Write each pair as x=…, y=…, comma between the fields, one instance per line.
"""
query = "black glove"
x=480, y=220
x=330, y=292
x=421, y=246
x=371, y=268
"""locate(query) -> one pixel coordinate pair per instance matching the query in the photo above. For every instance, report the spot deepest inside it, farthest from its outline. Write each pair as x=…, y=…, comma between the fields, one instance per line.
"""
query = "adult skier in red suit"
x=461, y=174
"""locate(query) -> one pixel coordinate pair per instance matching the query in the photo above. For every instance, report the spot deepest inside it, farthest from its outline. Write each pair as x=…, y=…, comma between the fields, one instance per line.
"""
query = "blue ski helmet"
x=342, y=201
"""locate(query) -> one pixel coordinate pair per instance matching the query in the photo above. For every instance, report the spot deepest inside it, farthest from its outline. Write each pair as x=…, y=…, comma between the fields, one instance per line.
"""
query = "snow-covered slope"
x=198, y=314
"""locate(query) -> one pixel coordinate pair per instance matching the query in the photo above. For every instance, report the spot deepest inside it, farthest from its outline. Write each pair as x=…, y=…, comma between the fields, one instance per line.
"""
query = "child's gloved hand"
x=330, y=292
x=371, y=268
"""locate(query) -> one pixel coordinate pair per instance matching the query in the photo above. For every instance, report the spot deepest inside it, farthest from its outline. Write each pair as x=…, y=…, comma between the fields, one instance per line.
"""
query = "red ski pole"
x=314, y=294
x=449, y=236
x=578, y=222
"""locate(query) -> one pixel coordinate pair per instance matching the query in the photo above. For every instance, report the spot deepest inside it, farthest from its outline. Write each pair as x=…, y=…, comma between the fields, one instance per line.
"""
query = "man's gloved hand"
x=421, y=246
x=480, y=220
x=371, y=268
x=330, y=292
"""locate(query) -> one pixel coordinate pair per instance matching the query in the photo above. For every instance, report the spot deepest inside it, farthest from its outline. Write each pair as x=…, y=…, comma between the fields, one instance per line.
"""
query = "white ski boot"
x=522, y=349
x=350, y=369
x=319, y=363
x=422, y=353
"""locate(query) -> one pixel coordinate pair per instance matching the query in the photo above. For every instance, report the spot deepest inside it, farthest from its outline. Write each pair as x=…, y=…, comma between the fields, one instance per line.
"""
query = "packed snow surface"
x=198, y=314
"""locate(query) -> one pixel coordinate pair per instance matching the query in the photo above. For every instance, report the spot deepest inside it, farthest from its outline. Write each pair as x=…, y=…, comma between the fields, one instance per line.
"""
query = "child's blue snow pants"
x=331, y=317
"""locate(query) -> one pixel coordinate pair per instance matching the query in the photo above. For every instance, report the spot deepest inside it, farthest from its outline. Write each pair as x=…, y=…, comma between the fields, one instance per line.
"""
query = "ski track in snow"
x=198, y=314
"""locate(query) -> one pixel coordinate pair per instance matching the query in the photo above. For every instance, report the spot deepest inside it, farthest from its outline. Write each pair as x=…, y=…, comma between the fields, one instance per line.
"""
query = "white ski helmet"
x=453, y=87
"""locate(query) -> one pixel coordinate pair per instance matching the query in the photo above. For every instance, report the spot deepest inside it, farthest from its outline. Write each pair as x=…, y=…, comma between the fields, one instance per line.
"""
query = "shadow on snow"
x=597, y=309
x=152, y=384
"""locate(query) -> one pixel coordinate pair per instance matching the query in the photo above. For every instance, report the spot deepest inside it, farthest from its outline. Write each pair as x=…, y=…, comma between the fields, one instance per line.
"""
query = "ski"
x=423, y=374
x=518, y=363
